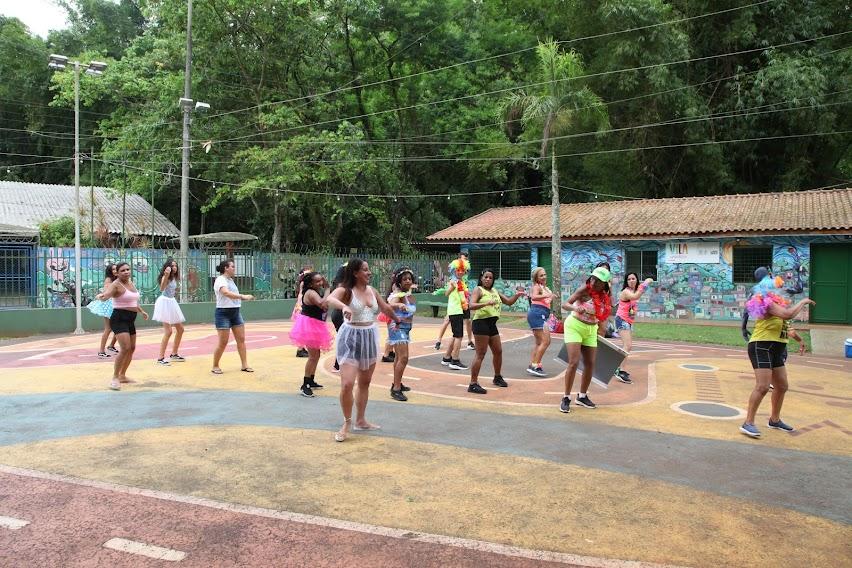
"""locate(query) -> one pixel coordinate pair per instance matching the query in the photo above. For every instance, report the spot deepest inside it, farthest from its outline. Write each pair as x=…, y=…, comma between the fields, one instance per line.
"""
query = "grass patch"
x=709, y=334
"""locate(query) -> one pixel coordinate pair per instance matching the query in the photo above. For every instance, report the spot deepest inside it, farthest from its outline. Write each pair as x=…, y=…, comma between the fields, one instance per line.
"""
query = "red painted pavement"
x=69, y=524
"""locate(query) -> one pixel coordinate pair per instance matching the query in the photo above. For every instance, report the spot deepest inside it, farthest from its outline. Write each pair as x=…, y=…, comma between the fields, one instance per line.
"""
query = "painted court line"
x=400, y=534
x=823, y=363
x=142, y=549
x=12, y=523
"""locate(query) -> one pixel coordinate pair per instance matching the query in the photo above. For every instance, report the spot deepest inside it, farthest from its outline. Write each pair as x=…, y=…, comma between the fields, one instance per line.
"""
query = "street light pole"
x=94, y=68
x=77, y=254
x=184, y=178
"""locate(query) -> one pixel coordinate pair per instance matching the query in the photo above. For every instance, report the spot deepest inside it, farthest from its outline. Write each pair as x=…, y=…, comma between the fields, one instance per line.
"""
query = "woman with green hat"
x=587, y=306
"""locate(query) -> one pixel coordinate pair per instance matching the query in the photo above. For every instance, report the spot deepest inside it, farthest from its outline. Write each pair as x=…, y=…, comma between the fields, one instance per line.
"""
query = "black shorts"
x=466, y=314
x=123, y=321
x=485, y=326
x=337, y=319
x=767, y=354
x=457, y=325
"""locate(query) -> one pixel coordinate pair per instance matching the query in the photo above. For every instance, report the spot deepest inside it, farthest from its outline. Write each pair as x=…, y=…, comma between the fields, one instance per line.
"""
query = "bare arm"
x=627, y=294
x=569, y=303
x=475, y=304
x=234, y=295
x=111, y=291
x=791, y=311
x=164, y=281
x=384, y=306
x=509, y=301
x=540, y=292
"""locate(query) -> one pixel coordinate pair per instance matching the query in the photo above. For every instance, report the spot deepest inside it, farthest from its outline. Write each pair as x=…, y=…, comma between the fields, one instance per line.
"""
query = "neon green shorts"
x=576, y=331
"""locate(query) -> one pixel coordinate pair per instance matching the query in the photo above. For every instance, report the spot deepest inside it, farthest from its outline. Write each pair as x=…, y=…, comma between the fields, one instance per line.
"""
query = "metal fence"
x=42, y=277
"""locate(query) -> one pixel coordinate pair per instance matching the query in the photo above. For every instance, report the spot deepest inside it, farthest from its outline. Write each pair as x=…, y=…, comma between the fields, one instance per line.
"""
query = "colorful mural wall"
x=682, y=290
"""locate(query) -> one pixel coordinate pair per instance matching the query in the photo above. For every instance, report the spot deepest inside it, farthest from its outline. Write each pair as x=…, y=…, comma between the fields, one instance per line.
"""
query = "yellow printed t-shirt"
x=772, y=328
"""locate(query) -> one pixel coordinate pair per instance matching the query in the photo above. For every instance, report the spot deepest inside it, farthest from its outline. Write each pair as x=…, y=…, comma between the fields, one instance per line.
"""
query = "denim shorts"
x=622, y=325
x=399, y=333
x=226, y=318
x=537, y=316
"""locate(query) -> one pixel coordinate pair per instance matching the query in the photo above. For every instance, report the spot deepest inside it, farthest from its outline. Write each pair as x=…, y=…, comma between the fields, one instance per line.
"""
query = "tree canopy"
x=361, y=123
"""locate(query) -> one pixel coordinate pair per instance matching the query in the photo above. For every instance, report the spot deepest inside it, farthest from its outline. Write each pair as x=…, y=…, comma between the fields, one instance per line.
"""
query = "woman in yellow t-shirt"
x=485, y=303
x=767, y=350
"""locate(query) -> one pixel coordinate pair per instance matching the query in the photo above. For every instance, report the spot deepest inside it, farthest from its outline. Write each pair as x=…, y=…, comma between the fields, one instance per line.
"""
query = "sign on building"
x=696, y=252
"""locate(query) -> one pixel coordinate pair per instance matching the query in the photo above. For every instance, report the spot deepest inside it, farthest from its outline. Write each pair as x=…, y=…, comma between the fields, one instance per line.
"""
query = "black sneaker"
x=446, y=361
x=586, y=401
x=404, y=388
x=499, y=382
x=471, y=346
x=387, y=359
x=104, y=355
x=113, y=349
x=475, y=388
x=392, y=356
x=398, y=395
x=438, y=345
x=176, y=357
x=314, y=385
x=457, y=365
x=306, y=391
x=565, y=405
x=624, y=377
x=301, y=353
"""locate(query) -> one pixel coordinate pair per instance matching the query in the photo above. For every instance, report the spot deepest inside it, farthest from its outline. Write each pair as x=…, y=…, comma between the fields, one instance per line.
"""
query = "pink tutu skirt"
x=311, y=333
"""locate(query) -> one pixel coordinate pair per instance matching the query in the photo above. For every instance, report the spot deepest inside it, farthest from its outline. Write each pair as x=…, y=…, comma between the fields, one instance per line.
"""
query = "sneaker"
x=565, y=405
x=750, y=430
x=536, y=371
x=176, y=357
x=624, y=377
x=104, y=355
x=475, y=388
x=113, y=349
x=336, y=367
x=392, y=356
x=458, y=365
x=314, y=385
x=540, y=372
x=470, y=346
x=404, y=388
x=438, y=345
x=446, y=361
x=306, y=391
x=499, y=382
x=114, y=385
x=398, y=395
x=301, y=352
x=586, y=401
x=387, y=359
x=530, y=370
x=780, y=425
x=162, y=362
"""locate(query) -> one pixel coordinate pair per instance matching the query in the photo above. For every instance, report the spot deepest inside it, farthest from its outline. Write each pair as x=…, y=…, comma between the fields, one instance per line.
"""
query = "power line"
x=7, y=166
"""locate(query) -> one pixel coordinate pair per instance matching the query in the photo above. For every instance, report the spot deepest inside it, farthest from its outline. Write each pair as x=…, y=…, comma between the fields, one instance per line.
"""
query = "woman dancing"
x=588, y=306
x=540, y=298
x=168, y=312
x=125, y=304
x=103, y=308
x=486, y=303
x=767, y=350
x=310, y=329
x=227, y=316
x=629, y=296
x=399, y=334
x=357, y=342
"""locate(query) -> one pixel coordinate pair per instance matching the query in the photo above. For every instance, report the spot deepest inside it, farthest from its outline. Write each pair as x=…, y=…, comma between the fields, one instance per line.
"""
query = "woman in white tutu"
x=103, y=308
x=357, y=341
x=167, y=311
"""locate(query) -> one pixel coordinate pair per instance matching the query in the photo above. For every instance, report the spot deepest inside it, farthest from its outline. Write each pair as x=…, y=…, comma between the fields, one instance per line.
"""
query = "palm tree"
x=563, y=103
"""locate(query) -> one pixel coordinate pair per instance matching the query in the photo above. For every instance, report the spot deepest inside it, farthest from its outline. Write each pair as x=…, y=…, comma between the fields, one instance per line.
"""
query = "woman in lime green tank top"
x=485, y=303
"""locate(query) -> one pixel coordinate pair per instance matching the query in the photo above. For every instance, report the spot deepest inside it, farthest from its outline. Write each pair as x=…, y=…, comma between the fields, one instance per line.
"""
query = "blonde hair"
x=535, y=273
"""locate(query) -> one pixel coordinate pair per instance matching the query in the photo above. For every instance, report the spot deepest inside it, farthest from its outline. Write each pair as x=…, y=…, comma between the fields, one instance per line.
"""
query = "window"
x=508, y=264
x=747, y=260
x=642, y=262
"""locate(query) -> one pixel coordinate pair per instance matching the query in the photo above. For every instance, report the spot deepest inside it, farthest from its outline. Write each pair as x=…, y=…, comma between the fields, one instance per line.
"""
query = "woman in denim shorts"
x=399, y=334
x=540, y=298
x=630, y=293
x=227, y=316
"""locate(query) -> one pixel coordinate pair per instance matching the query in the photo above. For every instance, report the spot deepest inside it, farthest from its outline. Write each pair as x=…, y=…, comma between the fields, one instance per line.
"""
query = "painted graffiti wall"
x=683, y=290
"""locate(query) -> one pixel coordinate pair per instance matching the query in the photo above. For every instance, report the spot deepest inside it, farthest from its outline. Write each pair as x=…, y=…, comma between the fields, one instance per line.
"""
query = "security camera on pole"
x=60, y=62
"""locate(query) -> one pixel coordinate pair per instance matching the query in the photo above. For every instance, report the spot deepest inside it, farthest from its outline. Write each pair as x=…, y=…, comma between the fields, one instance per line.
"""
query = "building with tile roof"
x=701, y=251
x=28, y=205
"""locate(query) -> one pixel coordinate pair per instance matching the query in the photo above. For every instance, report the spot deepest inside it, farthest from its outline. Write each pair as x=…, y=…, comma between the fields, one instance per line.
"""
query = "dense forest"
x=367, y=123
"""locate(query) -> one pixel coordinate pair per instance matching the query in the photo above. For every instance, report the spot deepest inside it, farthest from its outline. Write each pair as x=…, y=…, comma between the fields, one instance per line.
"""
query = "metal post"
x=92, y=194
x=153, y=185
x=184, y=179
x=77, y=267
x=124, y=210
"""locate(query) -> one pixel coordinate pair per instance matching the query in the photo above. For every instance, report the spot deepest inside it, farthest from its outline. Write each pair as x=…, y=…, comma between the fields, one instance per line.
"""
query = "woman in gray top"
x=168, y=312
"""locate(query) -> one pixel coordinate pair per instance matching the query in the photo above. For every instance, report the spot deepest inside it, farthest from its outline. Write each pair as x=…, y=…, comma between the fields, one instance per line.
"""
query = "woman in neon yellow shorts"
x=588, y=306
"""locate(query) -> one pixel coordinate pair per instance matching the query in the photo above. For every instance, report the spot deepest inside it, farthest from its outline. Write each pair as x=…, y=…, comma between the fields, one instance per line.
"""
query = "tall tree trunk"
x=556, y=237
x=276, y=231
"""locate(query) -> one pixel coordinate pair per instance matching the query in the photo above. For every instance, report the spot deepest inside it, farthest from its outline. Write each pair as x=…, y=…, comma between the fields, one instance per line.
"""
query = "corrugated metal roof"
x=29, y=204
x=796, y=212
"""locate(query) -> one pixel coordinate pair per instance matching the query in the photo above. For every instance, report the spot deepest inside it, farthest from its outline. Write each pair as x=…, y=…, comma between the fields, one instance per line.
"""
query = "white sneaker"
x=114, y=385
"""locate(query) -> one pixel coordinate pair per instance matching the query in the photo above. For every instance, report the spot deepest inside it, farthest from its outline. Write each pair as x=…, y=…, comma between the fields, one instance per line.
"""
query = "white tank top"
x=363, y=313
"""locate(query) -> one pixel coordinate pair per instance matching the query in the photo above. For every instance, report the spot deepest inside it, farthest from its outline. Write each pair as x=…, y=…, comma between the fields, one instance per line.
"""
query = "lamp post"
x=60, y=62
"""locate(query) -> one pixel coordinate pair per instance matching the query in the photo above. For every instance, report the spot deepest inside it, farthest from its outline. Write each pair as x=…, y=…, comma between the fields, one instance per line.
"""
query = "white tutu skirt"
x=167, y=310
x=358, y=345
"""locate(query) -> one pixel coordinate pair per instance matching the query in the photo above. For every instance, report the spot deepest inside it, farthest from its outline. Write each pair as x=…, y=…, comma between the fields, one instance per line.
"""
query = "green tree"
x=563, y=104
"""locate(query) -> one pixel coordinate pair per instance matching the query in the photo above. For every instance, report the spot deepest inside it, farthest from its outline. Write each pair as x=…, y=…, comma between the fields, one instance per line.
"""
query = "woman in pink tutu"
x=310, y=329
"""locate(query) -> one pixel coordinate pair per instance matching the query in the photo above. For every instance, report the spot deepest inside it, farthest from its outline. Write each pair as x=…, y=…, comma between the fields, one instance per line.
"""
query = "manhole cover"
x=712, y=410
x=694, y=367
